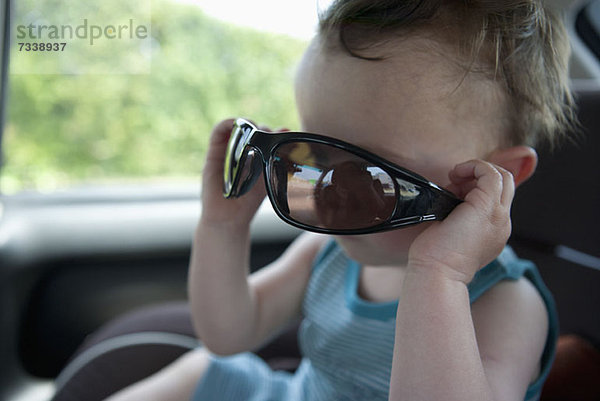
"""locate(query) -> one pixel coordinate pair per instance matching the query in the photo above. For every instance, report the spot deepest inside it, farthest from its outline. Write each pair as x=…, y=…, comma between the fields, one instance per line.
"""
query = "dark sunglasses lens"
x=323, y=186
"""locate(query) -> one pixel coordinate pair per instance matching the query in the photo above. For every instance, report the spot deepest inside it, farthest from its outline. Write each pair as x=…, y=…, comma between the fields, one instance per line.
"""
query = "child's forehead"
x=414, y=69
x=417, y=88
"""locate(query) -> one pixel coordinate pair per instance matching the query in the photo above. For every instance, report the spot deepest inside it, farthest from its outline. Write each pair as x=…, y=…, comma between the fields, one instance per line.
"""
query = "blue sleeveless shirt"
x=347, y=342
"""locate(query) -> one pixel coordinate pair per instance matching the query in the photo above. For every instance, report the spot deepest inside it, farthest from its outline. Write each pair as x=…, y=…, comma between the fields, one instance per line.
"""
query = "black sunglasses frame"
x=432, y=203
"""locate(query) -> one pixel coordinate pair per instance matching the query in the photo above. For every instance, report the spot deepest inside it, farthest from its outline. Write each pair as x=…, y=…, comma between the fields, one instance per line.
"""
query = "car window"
x=127, y=91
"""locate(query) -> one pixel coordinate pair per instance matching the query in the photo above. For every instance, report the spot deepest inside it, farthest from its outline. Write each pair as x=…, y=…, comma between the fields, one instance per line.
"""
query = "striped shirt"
x=348, y=342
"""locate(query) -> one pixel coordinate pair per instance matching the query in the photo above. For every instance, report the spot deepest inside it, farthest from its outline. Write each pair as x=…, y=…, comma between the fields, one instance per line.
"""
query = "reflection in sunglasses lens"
x=326, y=187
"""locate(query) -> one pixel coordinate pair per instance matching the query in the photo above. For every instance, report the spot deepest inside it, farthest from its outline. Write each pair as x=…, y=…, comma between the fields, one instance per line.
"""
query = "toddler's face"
x=411, y=109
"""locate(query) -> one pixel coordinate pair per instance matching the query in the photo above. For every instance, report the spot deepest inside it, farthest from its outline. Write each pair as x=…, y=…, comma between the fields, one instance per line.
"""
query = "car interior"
x=93, y=278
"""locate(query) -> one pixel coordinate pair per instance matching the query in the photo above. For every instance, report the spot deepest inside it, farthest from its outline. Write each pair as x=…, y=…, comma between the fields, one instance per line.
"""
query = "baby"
x=455, y=91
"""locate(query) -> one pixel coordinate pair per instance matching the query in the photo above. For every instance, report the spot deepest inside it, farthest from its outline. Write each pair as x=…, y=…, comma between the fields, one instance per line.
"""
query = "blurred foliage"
x=66, y=129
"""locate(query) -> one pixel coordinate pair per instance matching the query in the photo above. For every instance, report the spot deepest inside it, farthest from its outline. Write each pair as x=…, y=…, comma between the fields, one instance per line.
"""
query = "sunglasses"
x=325, y=185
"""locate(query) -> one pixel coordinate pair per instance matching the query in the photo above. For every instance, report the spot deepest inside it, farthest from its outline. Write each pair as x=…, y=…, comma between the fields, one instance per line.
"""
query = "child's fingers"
x=215, y=158
x=477, y=173
x=491, y=180
x=219, y=138
x=221, y=131
x=218, y=143
x=508, y=187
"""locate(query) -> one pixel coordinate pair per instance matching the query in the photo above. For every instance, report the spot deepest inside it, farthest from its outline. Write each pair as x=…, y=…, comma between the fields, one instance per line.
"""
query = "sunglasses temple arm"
x=430, y=204
x=442, y=204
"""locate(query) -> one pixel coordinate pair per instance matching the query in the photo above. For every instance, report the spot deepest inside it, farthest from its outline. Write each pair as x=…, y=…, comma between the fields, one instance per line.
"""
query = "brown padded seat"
x=125, y=351
x=142, y=342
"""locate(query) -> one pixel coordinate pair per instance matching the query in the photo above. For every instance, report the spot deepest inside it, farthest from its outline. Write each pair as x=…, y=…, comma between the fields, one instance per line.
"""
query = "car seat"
x=556, y=224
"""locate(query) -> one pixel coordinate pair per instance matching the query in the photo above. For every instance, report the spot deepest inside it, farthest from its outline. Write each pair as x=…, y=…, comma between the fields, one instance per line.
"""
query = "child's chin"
x=389, y=248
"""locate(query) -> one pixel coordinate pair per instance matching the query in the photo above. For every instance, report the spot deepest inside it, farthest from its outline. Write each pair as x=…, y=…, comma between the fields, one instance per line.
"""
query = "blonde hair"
x=520, y=44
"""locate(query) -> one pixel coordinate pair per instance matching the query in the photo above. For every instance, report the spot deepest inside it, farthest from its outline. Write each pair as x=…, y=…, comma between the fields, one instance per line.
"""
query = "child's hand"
x=215, y=208
x=475, y=232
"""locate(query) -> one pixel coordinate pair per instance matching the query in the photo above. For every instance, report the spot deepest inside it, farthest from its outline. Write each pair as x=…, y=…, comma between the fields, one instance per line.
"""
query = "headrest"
x=560, y=204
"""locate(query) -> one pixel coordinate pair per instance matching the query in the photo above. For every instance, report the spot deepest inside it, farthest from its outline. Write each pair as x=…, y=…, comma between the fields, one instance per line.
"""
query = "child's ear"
x=521, y=161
